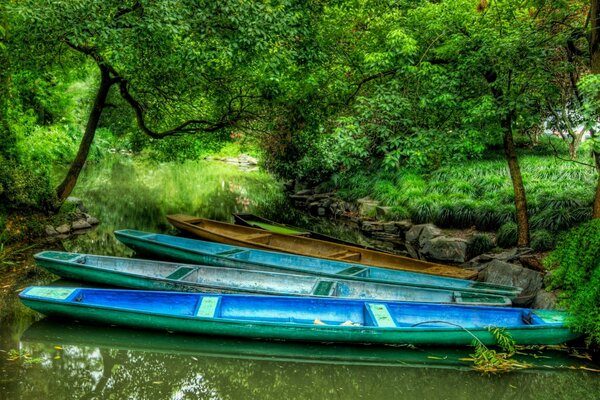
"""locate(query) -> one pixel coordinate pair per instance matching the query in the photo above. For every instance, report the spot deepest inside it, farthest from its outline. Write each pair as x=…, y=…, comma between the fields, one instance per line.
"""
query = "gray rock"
x=404, y=225
x=412, y=235
x=382, y=212
x=305, y=192
x=78, y=203
x=321, y=211
x=248, y=159
x=390, y=227
x=444, y=248
x=428, y=232
x=370, y=226
x=92, y=220
x=50, y=231
x=80, y=224
x=367, y=207
x=412, y=252
x=544, y=299
x=503, y=273
x=64, y=228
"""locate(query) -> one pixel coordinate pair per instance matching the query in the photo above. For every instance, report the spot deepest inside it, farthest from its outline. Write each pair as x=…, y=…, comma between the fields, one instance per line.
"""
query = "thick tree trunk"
x=517, y=181
x=595, y=67
x=66, y=187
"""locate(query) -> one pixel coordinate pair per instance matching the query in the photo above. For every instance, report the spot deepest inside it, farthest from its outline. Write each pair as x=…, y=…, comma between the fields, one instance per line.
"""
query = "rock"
x=77, y=202
x=411, y=251
x=367, y=207
x=64, y=228
x=444, y=248
x=244, y=158
x=404, y=225
x=390, y=227
x=381, y=211
x=428, y=232
x=50, y=231
x=321, y=211
x=544, y=299
x=532, y=261
x=80, y=224
x=369, y=226
x=92, y=220
x=305, y=192
x=504, y=273
x=412, y=235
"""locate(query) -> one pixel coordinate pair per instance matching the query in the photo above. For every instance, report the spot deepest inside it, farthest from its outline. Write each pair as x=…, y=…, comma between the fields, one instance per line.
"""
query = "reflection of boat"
x=237, y=235
x=201, y=252
x=300, y=318
x=55, y=332
x=157, y=275
x=254, y=221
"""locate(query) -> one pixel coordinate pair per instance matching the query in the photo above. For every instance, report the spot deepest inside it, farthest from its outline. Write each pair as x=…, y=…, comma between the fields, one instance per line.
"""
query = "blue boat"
x=222, y=255
x=157, y=275
x=313, y=319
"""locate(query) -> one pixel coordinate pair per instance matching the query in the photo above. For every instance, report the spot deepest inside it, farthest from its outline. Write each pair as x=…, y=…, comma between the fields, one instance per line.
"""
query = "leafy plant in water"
x=488, y=361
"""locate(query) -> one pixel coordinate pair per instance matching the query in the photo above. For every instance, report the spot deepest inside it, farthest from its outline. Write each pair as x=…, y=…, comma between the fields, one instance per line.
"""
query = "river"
x=40, y=358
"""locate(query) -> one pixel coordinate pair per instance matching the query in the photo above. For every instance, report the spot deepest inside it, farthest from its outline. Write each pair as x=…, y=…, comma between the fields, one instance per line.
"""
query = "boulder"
x=50, y=231
x=381, y=212
x=370, y=227
x=367, y=207
x=444, y=248
x=80, y=224
x=77, y=202
x=64, y=228
x=504, y=273
x=92, y=220
x=544, y=299
x=404, y=225
x=428, y=232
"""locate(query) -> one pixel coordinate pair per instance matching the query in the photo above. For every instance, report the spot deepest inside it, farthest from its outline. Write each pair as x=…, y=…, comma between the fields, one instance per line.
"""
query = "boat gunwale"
x=510, y=291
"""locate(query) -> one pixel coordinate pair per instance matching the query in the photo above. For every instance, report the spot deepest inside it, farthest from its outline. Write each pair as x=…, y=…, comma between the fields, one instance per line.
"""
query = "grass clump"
x=542, y=240
x=507, y=235
x=576, y=264
x=478, y=244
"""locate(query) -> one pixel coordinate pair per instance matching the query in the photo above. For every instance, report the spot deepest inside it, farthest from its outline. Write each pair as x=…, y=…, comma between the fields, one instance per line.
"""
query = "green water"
x=65, y=360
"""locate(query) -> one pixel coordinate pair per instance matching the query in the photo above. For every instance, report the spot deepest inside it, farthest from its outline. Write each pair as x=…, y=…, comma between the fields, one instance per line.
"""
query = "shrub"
x=507, y=235
x=479, y=244
x=576, y=260
x=542, y=240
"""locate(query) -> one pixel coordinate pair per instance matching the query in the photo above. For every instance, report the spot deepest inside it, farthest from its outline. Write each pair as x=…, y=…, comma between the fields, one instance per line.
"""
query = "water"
x=47, y=359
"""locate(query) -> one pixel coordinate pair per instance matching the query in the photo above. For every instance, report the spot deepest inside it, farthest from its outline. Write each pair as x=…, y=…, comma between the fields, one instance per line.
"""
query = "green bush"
x=576, y=263
x=479, y=244
x=542, y=240
x=507, y=235
x=24, y=188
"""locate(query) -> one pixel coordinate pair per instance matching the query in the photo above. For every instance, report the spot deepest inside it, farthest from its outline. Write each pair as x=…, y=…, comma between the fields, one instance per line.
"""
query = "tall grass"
x=480, y=193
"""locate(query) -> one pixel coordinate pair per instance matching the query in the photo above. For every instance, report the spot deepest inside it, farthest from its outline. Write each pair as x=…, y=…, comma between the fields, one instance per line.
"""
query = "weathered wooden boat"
x=299, y=318
x=255, y=221
x=222, y=255
x=236, y=235
x=157, y=275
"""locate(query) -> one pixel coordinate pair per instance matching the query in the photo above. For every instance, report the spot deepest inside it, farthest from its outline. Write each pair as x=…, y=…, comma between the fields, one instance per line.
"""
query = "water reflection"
x=80, y=361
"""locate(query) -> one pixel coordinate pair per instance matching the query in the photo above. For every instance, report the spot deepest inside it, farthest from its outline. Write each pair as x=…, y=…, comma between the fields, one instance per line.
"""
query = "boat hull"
x=207, y=253
x=156, y=275
x=235, y=235
x=281, y=318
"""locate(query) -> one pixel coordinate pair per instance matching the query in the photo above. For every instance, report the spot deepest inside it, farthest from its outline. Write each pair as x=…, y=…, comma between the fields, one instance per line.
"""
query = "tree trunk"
x=66, y=187
x=517, y=181
x=595, y=68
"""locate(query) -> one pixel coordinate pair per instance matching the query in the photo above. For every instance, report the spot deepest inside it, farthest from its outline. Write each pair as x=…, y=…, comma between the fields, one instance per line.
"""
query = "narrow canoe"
x=157, y=275
x=237, y=235
x=222, y=255
x=255, y=221
x=299, y=318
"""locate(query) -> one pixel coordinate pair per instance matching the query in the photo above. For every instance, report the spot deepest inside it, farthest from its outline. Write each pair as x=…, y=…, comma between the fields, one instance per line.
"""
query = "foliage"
x=478, y=244
x=491, y=361
x=507, y=235
x=542, y=240
x=576, y=264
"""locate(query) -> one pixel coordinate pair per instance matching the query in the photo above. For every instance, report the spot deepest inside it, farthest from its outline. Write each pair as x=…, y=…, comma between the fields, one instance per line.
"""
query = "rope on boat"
x=452, y=324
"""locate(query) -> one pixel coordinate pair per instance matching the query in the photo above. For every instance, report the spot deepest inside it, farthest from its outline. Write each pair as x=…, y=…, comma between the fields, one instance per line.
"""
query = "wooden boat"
x=156, y=275
x=222, y=255
x=299, y=318
x=254, y=221
x=236, y=235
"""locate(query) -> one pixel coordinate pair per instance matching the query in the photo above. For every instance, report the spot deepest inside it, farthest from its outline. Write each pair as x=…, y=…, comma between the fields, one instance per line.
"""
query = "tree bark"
x=517, y=181
x=595, y=69
x=66, y=187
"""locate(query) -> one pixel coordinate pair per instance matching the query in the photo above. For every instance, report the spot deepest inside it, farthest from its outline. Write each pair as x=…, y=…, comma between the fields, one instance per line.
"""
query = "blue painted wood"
x=201, y=252
x=157, y=275
x=299, y=318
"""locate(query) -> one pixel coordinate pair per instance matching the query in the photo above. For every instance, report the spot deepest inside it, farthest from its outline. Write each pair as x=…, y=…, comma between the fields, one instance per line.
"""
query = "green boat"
x=156, y=275
x=311, y=319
